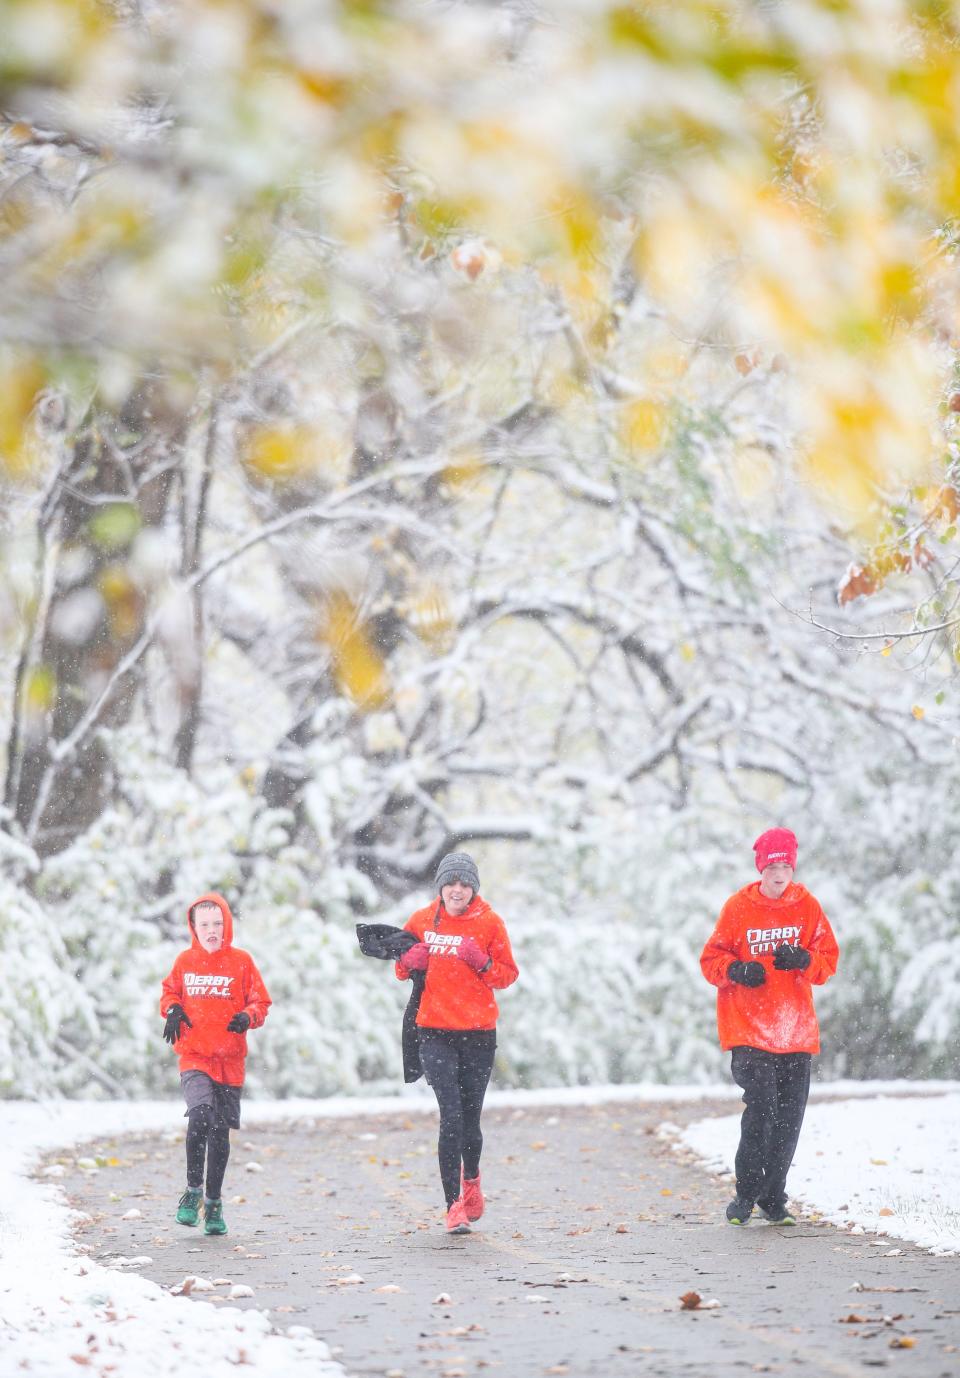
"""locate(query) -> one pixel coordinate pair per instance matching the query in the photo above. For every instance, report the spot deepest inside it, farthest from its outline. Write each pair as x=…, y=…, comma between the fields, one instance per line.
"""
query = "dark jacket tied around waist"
x=387, y=943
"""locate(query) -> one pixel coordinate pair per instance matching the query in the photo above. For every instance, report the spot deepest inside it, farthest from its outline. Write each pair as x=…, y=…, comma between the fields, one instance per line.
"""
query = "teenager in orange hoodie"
x=771, y=946
x=213, y=995
x=464, y=949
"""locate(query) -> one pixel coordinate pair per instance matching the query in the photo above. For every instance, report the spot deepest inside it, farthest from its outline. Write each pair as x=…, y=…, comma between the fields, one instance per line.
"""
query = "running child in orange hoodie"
x=213, y=995
x=464, y=949
x=771, y=946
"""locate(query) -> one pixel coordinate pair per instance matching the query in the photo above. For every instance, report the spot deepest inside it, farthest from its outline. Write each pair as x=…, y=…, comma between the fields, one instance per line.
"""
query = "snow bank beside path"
x=890, y=1166
x=59, y=1310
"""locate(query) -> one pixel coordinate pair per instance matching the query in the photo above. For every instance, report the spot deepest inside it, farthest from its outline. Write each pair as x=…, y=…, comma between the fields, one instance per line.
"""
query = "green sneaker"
x=213, y=1221
x=188, y=1211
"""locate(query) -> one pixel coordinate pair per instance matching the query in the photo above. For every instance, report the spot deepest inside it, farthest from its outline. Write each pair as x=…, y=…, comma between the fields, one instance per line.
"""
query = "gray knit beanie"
x=458, y=864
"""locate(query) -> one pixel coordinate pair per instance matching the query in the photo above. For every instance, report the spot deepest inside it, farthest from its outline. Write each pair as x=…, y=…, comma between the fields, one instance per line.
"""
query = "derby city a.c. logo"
x=762, y=940
x=194, y=983
x=442, y=944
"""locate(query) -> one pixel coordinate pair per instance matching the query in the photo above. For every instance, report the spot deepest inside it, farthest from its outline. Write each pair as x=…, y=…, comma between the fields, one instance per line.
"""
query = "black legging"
x=457, y=1064
x=775, y=1090
x=208, y=1137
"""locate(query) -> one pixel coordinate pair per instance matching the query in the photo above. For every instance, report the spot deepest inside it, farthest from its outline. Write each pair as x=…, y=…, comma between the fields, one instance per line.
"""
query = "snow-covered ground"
x=858, y=1158
x=888, y=1165
x=57, y=1306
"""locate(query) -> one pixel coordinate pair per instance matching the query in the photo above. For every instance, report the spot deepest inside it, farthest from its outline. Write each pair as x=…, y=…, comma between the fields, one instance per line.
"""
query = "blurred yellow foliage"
x=643, y=425
x=357, y=666
x=286, y=452
x=772, y=172
x=123, y=599
x=463, y=467
x=429, y=615
x=20, y=383
x=39, y=690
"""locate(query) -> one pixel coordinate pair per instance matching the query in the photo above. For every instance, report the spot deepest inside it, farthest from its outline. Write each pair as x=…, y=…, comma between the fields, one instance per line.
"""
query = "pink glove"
x=416, y=958
x=472, y=953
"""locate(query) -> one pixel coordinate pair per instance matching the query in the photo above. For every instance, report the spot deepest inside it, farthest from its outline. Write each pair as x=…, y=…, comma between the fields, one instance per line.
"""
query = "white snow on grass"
x=889, y=1166
x=60, y=1310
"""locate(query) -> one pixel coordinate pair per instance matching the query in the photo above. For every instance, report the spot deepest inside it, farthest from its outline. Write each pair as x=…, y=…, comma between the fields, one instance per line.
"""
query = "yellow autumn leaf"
x=464, y=467
x=918, y=713
x=428, y=613
x=19, y=385
x=642, y=426
x=39, y=689
x=287, y=452
x=358, y=668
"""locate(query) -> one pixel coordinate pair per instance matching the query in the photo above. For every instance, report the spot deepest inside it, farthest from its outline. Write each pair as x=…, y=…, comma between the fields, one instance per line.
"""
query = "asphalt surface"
x=595, y=1227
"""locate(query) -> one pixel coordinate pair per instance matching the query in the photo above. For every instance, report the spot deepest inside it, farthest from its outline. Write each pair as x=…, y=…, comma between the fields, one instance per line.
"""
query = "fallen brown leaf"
x=690, y=1301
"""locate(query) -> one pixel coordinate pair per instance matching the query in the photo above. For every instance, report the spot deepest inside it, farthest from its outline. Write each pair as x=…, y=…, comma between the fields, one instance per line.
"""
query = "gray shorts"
x=200, y=1089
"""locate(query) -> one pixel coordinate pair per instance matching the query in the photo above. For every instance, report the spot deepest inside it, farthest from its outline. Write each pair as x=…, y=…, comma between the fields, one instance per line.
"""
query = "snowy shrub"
x=40, y=995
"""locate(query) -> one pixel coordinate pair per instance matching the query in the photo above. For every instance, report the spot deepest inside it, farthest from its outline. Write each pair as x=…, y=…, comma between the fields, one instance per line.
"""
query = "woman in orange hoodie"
x=213, y=995
x=771, y=946
x=464, y=949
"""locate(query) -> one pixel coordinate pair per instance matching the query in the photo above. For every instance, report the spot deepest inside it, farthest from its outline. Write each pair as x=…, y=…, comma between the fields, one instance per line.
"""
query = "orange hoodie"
x=454, y=995
x=778, y=1016
x=212, y=987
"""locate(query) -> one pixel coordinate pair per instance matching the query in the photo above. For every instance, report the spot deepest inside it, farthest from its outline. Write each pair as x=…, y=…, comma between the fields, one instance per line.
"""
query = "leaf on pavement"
x=690, y=1301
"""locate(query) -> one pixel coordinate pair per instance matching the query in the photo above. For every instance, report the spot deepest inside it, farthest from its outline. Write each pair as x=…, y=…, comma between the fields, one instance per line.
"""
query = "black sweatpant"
x=457, y=1063
x=775, y=1090
x=208, y=1137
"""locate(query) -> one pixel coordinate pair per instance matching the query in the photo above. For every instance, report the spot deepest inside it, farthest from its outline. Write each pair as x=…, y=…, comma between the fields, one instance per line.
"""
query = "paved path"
x=594, y=1229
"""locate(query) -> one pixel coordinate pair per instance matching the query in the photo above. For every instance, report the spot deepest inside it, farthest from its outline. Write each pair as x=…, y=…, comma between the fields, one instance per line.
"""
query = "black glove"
x=240, y=1022
x=747, y=973
x=176, y=1017
x=789, y=958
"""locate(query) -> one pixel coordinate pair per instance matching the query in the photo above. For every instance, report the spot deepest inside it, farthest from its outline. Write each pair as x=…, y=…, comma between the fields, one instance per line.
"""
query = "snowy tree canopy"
x=416, y=425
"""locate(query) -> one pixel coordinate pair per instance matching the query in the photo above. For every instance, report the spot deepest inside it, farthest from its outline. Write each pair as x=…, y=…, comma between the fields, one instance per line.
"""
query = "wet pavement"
x=595, y=1227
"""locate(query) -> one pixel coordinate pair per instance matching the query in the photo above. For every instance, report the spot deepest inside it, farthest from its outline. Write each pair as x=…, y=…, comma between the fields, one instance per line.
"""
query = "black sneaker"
x=778, y=1215
x=739, y=1211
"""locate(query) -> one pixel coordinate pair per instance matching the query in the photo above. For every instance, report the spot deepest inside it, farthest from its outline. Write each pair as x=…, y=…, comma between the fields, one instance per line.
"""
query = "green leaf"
x=115, y=526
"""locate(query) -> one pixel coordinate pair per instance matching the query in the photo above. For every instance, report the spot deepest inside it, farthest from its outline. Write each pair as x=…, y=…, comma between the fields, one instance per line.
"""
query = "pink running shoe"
x=457, y=1222
x=471, y=1196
